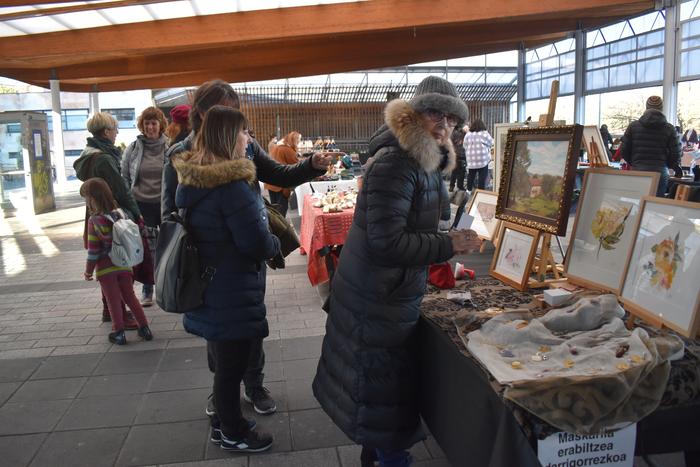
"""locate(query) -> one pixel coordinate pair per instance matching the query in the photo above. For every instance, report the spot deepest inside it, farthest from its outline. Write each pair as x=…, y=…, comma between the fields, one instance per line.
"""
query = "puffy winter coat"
x=133, y=155
x=229, y=222
x=366, y=377
x=651, y=142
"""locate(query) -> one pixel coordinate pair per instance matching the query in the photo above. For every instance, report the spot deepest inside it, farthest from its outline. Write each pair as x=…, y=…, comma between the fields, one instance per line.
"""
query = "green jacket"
x=106, y=167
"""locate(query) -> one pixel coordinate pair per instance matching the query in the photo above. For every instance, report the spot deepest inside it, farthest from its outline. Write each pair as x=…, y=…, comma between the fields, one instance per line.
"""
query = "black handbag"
x=180, y=279
x=280, y=228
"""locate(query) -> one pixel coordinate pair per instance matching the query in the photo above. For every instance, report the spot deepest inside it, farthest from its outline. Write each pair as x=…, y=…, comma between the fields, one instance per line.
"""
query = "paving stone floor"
x=70, y=398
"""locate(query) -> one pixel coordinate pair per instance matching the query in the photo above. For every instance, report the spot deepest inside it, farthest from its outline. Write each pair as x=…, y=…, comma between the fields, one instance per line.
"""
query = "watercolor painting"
x=667, y=258
x=609, y=225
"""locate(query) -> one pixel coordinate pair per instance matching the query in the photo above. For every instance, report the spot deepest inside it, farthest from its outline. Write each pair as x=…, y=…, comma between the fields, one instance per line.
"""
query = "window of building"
x=689, y=63
x=626, y=55
x=73, y=152
x=14, y=127
x=74, y=119
x=126, y=118
x=13, y=155
x=546, y=64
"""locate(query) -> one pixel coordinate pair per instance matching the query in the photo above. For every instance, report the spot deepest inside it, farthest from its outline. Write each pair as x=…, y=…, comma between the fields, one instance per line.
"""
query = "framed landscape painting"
x=661, y=281
x=538, y=177
x=603, y=231
x=515, y=250
x=482, y=207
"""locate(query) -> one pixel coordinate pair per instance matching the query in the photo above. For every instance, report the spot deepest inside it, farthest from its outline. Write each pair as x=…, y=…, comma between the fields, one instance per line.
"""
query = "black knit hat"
x=439, y=94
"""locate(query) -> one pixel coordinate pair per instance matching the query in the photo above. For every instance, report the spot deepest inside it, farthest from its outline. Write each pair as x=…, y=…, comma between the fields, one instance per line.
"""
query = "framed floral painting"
x=603, y=231
x=661, y=281
x=537, y=179
x=482, y=207
x=515, y=251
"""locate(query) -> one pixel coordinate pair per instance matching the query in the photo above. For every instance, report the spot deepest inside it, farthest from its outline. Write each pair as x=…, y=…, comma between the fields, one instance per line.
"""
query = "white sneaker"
x=146, y=300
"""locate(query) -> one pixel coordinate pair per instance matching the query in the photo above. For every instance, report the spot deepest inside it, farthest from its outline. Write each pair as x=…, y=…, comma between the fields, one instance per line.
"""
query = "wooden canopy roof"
x=290, y=42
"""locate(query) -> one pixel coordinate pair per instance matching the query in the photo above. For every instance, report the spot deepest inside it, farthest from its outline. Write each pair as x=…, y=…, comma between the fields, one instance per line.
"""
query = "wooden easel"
x=544, y=261
x=594, y=157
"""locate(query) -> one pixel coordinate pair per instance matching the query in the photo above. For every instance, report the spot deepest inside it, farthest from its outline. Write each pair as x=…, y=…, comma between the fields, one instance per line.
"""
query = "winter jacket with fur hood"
x=367, y=378
x=651, y=142
x=229, y=223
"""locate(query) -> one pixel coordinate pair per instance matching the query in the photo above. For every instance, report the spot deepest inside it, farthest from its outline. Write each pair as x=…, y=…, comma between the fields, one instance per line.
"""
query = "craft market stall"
x=543, y=363
x=321, y=187
x=325, y=224
x=478, y=421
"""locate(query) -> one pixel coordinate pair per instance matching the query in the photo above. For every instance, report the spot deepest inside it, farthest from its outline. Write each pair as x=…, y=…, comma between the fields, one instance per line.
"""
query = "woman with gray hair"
x=100, y=158
x=367, y=375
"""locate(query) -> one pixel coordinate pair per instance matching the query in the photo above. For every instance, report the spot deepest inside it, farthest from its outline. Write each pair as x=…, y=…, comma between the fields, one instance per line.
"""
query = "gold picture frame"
x=520, y=242
x=538, y=175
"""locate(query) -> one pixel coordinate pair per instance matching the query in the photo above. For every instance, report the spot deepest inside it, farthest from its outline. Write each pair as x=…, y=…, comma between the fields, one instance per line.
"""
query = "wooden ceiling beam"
x=342, y=62
x=318, y=20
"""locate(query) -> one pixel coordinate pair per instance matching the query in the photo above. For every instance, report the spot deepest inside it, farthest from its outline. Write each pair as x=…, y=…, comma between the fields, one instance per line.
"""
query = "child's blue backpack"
x=127, y=245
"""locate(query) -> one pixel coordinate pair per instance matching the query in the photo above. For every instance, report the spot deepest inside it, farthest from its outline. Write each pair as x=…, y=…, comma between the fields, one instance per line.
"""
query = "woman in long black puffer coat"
x=367, y=379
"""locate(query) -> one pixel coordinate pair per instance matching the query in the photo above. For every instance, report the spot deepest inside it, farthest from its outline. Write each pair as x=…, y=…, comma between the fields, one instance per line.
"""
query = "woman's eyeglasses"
x=437, y=116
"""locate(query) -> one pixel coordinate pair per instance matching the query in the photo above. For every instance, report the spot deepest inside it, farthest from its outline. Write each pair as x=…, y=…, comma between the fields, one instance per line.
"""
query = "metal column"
x=58, y=157
x=94, y=101
x=671, y=39
x=580, y=78
x=521, y=84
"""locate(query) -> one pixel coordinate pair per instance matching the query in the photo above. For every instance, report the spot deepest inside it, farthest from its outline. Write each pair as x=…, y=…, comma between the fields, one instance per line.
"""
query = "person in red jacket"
x=284, y=152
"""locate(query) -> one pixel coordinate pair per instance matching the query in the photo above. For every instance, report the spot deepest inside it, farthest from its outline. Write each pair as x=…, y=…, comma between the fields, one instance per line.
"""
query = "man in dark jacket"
x=366, y=377
x=650, y=143
x=268, y=170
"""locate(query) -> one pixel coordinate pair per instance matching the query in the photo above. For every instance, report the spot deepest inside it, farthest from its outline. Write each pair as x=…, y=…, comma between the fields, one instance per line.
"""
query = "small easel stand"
x=594, y=157
x=544, y=261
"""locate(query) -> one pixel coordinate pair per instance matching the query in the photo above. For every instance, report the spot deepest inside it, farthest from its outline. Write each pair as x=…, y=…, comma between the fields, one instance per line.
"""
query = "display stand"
x=544, y=260
x=594, y=157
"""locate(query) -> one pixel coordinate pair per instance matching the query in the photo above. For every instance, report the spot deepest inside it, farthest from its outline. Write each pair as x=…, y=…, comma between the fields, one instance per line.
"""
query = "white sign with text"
x=611, y=448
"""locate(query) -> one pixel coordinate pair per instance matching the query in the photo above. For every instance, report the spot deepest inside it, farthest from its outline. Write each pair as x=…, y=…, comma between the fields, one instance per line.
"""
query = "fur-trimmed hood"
x=212, y=175
x=405, y=125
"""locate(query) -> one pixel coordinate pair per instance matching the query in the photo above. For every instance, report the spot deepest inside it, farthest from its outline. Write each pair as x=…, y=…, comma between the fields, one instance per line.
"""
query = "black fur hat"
x=439, y=94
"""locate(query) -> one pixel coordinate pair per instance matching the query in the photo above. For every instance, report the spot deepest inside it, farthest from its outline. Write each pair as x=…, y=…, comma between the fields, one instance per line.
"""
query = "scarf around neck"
x=104, y=145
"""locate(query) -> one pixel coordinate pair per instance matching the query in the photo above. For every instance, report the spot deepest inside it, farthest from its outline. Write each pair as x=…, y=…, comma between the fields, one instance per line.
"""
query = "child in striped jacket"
x=116, y=281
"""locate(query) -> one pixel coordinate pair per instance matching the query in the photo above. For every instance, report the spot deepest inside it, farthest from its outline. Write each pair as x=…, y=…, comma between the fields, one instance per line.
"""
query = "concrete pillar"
x=671, y=39
x=580, y=78
x=59, y=159
x=94, y=101
x=521, y=84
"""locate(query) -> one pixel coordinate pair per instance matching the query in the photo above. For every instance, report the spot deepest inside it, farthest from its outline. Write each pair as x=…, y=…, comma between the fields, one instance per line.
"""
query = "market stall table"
x=319, y=231
x=465, y=410
x=321, y=187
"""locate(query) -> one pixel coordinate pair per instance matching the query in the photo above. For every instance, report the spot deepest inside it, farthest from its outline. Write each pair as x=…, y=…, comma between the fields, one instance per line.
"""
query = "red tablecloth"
x=319, y=230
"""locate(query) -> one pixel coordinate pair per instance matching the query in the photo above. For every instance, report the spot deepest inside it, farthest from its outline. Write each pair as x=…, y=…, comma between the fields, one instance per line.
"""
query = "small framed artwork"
x=603, y=231
x=512, y=261
x=538, y=177
x=592, y=133
x=500, y=137
x=661, y=280
x=482, y=207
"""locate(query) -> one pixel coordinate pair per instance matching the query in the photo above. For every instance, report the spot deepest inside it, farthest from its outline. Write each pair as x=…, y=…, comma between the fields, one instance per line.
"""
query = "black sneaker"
x=211, y=408
x=252, y=442
x=117, y=337
x=261, y=400
x=215, y=430
x=145, y=333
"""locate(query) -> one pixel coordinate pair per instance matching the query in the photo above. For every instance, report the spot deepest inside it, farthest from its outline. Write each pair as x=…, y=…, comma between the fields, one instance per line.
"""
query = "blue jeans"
x=663, y=179
x=147, y=290
x=394, y=458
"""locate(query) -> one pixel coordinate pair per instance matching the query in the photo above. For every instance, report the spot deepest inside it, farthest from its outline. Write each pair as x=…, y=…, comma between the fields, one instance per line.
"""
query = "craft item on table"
x=335, y=201
x=461, y=272
x=575, y=350
x=441, y=276
x=463, y=298
x=556, y=297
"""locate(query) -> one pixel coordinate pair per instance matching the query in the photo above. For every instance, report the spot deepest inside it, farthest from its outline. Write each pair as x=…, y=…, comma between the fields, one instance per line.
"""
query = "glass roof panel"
x=128, y=14
x=78, y=19
x=171, y=10
x=37, y=25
